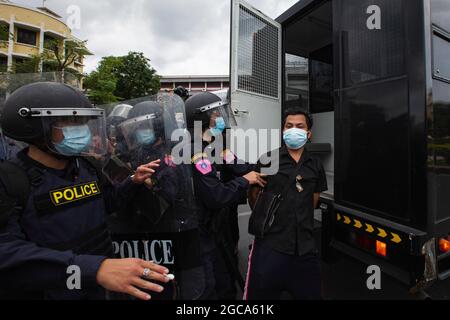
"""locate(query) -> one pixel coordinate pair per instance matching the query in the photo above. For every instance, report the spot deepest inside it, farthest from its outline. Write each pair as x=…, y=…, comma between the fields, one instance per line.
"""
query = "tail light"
x=444, y=245
x=381, y=248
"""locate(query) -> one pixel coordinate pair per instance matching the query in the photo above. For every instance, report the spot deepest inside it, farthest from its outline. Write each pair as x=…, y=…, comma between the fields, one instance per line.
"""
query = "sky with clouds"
x=180, y=37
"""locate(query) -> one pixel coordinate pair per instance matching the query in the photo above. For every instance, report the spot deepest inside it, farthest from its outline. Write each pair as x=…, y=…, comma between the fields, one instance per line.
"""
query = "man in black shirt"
x=286, y=258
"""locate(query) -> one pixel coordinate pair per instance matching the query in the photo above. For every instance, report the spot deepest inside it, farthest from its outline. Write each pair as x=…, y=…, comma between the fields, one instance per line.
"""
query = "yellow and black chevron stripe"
x=370, y=228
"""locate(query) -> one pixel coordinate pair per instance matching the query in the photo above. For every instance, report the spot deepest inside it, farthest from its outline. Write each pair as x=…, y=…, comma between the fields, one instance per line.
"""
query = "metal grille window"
x=258, y=59
x=372, y=54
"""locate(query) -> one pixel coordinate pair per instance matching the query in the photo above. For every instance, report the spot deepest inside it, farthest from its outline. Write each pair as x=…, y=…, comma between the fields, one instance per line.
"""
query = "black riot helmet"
x=144, y=108
x=119, y=114
x=182, y=92
x=205, y=107
x=55, y=117
x=48, y=95
x=145, y=124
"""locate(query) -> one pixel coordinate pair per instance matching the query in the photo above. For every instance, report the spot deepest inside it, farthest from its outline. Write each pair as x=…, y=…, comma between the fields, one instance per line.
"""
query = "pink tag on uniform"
x=169, y=161
x=204, y=166
x=228, y=156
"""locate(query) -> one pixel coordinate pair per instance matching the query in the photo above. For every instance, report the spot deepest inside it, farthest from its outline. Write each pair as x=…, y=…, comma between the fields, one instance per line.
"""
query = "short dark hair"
x=296, y=112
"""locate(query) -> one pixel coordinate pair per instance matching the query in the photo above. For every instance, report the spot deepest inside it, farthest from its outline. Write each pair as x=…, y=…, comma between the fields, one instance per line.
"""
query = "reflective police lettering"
x=159, y=251
x=74, y=193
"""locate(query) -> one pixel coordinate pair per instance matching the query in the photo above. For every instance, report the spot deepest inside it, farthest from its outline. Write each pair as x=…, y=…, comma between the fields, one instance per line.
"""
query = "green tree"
x=59, y=57
x=103, y=81
x=27, y=65
x=122, y=78
x=136, y=78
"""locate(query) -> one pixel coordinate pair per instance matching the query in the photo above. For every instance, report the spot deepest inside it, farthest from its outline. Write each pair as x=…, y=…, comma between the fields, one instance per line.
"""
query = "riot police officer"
x=53, y=208
x=118, y=115
x=214, y=195
x=165, y=210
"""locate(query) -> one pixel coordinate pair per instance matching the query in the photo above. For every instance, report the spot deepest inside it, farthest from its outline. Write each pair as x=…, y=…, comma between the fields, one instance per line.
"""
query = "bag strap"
x=289, y=179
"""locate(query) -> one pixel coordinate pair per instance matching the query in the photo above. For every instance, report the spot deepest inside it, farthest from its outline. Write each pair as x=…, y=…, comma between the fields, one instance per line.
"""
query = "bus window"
x=309, y=61
x=297, y=82
x=321, y=80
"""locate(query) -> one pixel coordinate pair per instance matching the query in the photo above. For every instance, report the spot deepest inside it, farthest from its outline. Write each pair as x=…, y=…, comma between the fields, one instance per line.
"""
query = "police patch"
x=74, y=193
x=204, y=166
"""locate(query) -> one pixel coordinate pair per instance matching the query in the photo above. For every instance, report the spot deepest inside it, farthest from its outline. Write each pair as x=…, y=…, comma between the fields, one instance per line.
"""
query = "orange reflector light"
x=381, y=248
x=444, y=245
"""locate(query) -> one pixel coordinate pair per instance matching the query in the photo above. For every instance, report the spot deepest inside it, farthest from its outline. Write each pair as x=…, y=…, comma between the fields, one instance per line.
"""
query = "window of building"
x=4, y=32
x=182, y=84
x=214, y=85
x=198, y=85
x=26, y=36
x=3, y=64
x=50, y=43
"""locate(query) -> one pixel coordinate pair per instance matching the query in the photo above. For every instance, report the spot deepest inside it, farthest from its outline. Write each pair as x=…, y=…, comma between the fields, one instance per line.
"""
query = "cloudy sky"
x=181, y=37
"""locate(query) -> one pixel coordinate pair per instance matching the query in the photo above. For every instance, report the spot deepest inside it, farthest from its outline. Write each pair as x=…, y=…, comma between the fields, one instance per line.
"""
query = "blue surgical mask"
x=220, y=127
x=77, y=140
x=220, y=124
x=145, y=137
x=295, y=139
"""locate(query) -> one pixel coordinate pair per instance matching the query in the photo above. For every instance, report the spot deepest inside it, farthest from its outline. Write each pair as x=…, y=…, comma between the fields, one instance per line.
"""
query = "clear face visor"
x=219, y=115
x=120, y=111
x=140, y=132
x=219, y=120
x=73, y=132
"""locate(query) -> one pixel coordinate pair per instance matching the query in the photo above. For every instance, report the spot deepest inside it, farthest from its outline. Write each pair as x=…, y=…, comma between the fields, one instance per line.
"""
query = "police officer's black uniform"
x=164, y=211
x=215, y=197
x=60, y=220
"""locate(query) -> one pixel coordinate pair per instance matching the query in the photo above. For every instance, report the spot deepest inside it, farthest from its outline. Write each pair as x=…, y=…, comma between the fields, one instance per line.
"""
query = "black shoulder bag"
x=265, y=210
x=266, y=207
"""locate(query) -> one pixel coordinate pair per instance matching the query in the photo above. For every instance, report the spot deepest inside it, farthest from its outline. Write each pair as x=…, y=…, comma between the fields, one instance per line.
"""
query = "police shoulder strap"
x=17, y=188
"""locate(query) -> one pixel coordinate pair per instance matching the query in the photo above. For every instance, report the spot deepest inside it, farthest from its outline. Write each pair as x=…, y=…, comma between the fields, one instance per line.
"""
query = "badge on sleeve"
x=228, y=156
x=168, y=160
x=204, y=166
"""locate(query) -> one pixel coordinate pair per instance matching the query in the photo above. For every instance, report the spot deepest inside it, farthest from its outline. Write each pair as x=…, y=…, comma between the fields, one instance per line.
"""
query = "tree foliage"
x=122, y=78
